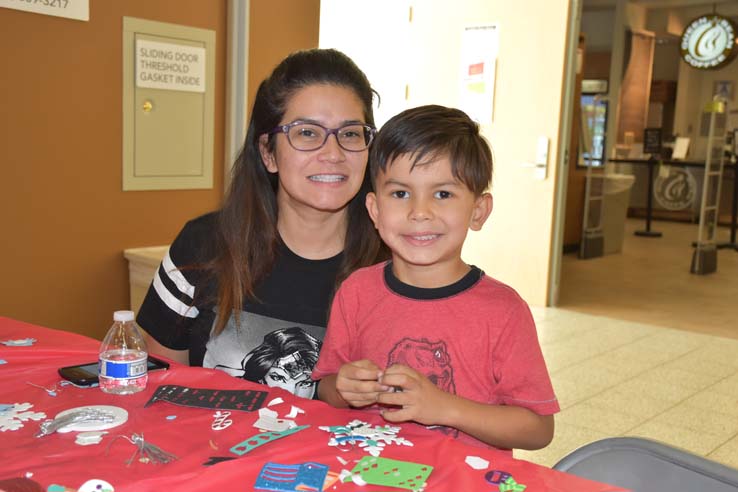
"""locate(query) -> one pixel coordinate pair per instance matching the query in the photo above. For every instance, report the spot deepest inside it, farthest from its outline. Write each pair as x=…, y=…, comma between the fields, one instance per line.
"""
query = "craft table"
x=55, y=459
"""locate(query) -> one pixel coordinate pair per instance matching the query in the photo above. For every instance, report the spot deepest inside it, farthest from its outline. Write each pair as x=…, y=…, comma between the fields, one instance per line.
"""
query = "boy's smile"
x=423, y=214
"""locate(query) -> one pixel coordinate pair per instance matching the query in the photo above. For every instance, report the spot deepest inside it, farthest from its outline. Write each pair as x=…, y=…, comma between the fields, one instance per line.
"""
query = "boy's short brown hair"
x=432, y=131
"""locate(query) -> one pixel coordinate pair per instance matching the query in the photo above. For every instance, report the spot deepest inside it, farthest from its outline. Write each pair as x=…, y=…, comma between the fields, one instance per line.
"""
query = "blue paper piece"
x=281, y=478
x=3, y=361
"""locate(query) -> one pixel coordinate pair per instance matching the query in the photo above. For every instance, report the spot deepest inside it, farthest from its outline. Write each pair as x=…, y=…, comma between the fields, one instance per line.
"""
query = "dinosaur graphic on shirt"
x=429, y=358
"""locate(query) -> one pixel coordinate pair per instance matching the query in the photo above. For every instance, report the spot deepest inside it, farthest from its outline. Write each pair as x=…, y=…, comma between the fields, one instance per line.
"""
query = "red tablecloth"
x=56, y=459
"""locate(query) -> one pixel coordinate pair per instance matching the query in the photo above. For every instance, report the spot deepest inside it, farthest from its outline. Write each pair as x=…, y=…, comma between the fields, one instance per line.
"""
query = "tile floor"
x=625, y=378
x=649, y=282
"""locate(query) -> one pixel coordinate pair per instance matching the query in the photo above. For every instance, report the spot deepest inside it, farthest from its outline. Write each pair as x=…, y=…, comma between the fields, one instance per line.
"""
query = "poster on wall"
x=70, y=9
x=479, y=49
x=723, y=88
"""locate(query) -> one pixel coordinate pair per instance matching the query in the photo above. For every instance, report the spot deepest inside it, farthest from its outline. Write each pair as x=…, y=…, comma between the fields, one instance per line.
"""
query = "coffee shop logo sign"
x=675, y=191
x=709, y=42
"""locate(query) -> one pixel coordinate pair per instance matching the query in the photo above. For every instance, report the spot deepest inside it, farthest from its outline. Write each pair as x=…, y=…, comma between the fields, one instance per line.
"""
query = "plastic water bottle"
x=122, y=368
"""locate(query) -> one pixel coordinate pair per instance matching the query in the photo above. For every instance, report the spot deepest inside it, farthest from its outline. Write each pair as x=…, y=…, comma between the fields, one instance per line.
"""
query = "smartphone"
x=85, y=375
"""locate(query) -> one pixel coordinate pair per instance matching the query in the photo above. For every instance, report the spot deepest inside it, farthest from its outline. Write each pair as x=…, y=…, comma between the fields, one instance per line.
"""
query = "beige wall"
x=515, y=244
x=64, y=218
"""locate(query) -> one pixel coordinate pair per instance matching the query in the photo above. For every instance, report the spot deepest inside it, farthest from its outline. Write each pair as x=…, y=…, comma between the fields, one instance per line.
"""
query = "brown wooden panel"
x=65, y=218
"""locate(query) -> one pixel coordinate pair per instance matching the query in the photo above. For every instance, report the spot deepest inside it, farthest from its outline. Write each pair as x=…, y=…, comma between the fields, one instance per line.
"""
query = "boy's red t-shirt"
x=475, y=338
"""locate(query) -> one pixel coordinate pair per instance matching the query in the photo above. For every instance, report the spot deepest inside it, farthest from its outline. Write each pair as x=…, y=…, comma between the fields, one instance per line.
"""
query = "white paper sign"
x=71, y=9
x=681, y=146
x=479, y=48
x=168, y=66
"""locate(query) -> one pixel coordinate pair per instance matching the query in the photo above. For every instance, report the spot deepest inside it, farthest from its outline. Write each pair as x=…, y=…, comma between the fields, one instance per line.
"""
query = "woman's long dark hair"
x=247, y=223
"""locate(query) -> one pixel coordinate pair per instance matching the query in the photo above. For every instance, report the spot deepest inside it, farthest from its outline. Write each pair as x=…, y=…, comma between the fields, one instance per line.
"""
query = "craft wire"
x=51, y=392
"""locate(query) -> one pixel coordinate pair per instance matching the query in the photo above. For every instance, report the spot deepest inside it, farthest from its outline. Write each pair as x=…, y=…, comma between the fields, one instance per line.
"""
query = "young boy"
x=426, y=337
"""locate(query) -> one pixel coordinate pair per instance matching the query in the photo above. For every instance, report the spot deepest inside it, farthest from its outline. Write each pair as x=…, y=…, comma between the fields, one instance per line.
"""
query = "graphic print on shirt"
x=285, y=359
x=267, y=351
x=431, y=359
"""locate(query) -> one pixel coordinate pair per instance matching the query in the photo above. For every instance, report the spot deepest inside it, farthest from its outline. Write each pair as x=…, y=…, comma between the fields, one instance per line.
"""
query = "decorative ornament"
x=13, y=416
x=372, y=439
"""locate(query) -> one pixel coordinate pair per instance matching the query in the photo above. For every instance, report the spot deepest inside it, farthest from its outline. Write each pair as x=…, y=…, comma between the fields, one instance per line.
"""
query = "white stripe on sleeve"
x=176, y=276
x=172, y=302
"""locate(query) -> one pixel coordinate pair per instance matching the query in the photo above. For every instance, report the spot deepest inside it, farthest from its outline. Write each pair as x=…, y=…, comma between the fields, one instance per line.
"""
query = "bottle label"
x=123, y=369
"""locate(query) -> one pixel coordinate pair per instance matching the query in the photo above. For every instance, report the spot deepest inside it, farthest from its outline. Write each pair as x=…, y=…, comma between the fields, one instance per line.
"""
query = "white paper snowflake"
x=371, y=439
x=12, y=418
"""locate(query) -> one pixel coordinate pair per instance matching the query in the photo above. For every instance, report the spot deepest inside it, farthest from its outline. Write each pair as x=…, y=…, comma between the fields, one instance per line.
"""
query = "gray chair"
x=643, y=465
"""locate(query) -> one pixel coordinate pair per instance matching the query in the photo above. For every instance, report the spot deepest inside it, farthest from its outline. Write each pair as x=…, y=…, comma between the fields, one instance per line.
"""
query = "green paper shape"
x=510, y=485
x=392, y=473
x=263, y=438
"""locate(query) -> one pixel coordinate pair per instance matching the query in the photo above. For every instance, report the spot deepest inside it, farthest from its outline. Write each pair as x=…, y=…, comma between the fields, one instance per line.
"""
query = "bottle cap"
x=123, y=316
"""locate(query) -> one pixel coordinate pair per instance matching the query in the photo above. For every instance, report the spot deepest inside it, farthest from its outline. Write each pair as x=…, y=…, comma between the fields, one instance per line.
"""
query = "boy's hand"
x=420, y=400
x=358, y=383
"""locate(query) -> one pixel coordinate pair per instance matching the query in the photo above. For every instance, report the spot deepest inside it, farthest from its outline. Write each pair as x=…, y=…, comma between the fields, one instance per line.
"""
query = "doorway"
x=646, y=275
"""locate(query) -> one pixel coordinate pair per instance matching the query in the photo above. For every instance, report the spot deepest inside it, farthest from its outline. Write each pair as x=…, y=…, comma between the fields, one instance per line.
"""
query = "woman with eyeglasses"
x=293, y=224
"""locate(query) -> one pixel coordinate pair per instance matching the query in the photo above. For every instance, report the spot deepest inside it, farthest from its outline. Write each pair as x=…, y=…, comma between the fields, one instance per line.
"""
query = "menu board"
x=652, y=141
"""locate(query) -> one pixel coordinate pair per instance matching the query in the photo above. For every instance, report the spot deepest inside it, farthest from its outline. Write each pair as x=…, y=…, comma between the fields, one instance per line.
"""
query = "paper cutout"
x=268, y=421
x=476, y=462
x=59, y=488
x=275, y=401
x=95, y=485
x=275, y=425
x=3, y=361
x=330, y=479
x=214, y=460
x=171, y=417
x=371, y=439
x=294, y=412
x=265, y=412
x=358, y=480
x=278, y=477
x=510, y=485
x=88, y=438
x=23, y=342
x=243, y=400
x=221, y=420
x=263, y=438
x=392, y=473
x=13, y=418
x=496, y=477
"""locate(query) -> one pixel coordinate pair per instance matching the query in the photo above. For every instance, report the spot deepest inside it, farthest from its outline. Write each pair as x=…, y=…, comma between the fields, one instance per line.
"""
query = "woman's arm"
x=181, y=356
